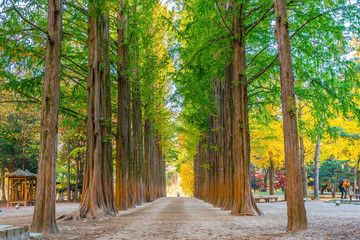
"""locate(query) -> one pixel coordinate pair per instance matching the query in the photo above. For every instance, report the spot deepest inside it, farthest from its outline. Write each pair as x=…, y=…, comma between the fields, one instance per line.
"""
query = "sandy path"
x=190, y=218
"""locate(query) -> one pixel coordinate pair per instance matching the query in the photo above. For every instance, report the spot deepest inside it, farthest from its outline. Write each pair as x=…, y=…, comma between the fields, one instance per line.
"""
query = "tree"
x=187, y=179
x=294, y=192
x=316, y=175
x=98, y=189
x=44, y=212
x=330, y=173
x=123, y=147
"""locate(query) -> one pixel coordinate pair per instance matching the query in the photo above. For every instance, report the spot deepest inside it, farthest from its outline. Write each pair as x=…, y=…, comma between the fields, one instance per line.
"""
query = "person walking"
x=343, y=185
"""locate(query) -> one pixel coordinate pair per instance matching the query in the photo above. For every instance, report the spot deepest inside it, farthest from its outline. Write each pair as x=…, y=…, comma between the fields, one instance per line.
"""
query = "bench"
x=267, y=199
x=354, y=195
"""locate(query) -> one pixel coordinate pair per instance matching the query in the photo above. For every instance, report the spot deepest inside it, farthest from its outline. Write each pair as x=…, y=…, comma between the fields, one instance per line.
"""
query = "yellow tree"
x=268, y=145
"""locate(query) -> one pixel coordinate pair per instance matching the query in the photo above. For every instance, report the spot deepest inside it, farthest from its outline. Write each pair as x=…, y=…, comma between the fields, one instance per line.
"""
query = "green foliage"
x=19, y=136
x=331, y=171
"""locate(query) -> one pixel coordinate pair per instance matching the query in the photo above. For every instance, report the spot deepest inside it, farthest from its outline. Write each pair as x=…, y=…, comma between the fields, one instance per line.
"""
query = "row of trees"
x=239, y=70
x=116, y=98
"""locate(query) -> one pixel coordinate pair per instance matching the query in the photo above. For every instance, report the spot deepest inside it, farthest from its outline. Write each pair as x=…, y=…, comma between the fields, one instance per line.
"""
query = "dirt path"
x=190, y=218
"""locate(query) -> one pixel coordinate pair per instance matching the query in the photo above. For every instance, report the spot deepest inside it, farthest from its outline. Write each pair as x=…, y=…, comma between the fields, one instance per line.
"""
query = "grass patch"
x=267, y=193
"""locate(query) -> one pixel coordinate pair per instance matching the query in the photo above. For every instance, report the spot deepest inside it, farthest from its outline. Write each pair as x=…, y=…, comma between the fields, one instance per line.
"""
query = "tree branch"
x=74, y=80
x=252, y=11
x=203, y=48
x=32, y=35
x=258, y=54
x=262, y=71
x=254, y=24
x=222, y=17
x=74, y=71
x=32, y=24
x=7, y=10
x=310, y=20
x=292, y=35
x=18, y=101
x=82, y=10
x=65, y=57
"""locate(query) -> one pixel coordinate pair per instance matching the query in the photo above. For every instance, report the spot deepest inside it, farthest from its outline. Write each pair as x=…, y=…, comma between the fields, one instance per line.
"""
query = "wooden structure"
x=21, y=187
x=356, y=195
x=267, y=198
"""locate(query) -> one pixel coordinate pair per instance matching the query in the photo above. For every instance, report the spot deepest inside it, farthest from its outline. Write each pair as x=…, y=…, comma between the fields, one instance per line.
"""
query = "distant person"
x=343, y=184
x=178, y=194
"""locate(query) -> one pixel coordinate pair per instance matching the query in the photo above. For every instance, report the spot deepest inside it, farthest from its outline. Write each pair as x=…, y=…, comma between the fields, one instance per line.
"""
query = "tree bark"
x=76, y=192
x=271, y=177
x=3, y=197
x=152, y=165
x=333, y=189
x=44, y=213
x=122, y=141
x=294, y=191
x=316, y=173
x=303, y=169
x=68, y=174
x=98, y=190
x=147, y=156
x=221, y=137
x=358, y=173
x=244, y=203
x=228, y=123
x=137, y=144
x=302, y=156
x=265, y=178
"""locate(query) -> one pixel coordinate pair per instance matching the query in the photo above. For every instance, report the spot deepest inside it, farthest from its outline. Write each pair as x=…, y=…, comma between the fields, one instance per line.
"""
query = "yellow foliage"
x=355, y=43
x=343, y=148
x=187, y=179
x=267, y=143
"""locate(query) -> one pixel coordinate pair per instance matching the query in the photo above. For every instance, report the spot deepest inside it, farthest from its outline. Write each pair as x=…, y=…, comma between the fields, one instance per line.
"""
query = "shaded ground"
x=189, y=218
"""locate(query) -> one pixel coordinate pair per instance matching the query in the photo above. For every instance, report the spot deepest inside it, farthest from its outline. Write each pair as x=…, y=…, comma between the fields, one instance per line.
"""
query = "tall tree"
x=44, y=212
x=123, y=118
x=98, y=185
x=294, y=192
x=316, y=173
x=244, y=203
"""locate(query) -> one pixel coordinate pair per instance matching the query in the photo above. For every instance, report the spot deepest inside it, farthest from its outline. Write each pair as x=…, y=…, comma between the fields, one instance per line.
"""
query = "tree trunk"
x=265, y=179
x=3, y=197
x=221, y=137
x=271, y=178
x=81, y=174
x=76, y=192
x=244, y=203
x=98, y=190
x=152, y=166
x=323, y=189
x=23, y=150
x=122, y=143
x=303, y=169
x=137, y=144
x=333, y=189
x=358, y=172
x=302, y=156
x=44, y=212
x=294, y=191
x=316, y=173
x=147, y=135
x=228, y=123
x=68, y=174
